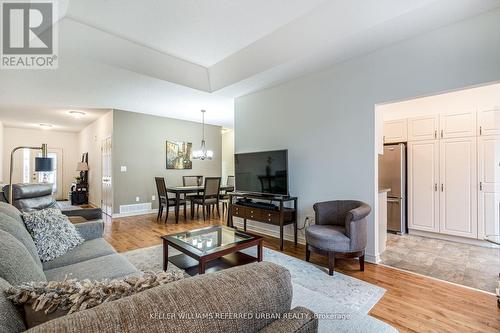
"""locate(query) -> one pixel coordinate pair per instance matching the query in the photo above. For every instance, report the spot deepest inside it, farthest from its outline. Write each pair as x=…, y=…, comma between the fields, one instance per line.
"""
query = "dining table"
x=183, y=190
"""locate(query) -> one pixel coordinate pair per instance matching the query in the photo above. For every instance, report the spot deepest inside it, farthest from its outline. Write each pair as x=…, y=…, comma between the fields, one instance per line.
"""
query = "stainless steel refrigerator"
x=392, y=174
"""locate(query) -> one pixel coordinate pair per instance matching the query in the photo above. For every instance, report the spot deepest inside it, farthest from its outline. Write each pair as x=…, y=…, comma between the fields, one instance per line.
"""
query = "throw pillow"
x=44, y=301
x=52, y=232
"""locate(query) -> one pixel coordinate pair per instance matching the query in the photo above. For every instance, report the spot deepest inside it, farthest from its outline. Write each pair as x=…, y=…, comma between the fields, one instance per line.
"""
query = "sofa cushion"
x=11, y=319
x=16, y=264
x=327, y=237
x=18, y=230
x=11, y=211
x=52, y=233
x=108, y=267
x=88, y=250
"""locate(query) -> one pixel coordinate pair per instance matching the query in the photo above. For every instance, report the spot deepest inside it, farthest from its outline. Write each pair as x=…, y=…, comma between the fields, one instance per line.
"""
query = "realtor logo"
x=28, y=35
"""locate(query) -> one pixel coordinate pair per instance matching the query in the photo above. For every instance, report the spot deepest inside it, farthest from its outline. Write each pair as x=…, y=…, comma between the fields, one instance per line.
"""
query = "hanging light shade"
x=203, y=153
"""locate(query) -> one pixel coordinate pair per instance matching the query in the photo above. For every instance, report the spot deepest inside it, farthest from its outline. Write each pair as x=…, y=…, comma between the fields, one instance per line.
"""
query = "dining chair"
x=192, y=180
x=164, y=200
x=208, y=199
x=224, y=197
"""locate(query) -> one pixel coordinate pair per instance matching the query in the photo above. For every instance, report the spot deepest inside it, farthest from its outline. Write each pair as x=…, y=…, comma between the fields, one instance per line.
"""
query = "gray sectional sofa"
x=252, y=289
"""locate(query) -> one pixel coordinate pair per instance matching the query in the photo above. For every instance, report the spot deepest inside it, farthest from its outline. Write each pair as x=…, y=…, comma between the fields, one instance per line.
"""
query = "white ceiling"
x=175, y=57
x=60, y=119
x=202, y=32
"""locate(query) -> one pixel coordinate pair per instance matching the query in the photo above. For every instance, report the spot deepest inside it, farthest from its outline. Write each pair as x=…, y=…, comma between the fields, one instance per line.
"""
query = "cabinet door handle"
x=480, y=186
x=442, y=134
x=442, y=187
x=435, y=134
x=435, y=187
x=480, y=130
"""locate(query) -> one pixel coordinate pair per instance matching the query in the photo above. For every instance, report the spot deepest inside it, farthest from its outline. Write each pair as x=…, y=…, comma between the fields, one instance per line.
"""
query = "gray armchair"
x=340, y=231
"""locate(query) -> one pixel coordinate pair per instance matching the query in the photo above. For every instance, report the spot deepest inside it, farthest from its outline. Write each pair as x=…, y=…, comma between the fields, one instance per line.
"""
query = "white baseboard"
x=458, y=239
x=372, y=259
x=144, y=212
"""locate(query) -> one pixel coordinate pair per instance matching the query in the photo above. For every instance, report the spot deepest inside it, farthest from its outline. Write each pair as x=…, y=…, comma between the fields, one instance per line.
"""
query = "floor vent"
x=135, y=208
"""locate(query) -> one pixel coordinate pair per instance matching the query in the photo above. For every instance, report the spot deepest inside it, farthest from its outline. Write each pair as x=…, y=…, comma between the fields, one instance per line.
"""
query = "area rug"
x=347, y=298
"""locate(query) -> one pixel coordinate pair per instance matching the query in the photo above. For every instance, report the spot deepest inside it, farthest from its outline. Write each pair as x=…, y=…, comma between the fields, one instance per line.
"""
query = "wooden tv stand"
x=279, y=216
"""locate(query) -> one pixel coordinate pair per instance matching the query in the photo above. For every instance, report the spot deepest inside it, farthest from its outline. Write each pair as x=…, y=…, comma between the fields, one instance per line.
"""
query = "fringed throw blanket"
x=44, y=301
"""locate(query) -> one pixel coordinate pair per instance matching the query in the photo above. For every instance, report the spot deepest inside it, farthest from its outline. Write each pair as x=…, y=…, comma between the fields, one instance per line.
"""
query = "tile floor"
x=468, y=265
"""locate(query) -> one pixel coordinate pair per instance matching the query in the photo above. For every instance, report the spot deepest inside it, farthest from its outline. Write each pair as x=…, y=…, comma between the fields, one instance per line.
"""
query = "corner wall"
x=90, y=139
x=326, y=120
x=227, y=155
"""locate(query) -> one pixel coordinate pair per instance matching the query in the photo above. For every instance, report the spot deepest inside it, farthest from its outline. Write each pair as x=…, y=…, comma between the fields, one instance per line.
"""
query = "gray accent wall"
x=139, y=144
x=326, y=120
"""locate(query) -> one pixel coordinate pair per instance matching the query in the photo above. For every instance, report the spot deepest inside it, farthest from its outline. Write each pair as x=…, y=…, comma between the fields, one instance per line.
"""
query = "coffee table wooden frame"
x=195, y=261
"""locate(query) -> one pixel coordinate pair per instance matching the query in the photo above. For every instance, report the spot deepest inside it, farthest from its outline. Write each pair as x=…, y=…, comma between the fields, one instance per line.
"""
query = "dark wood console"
x=279, y=215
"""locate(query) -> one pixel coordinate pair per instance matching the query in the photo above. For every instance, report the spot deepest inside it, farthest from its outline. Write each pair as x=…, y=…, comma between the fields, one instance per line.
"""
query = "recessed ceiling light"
x=45, y=126
x=77, y=114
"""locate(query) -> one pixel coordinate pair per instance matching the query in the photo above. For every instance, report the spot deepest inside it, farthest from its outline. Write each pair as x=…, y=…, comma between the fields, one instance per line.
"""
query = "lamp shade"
x=44, y=164
x=82, y=166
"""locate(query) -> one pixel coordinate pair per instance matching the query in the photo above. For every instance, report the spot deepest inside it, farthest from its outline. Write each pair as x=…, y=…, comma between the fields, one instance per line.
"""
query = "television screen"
x=262, y=172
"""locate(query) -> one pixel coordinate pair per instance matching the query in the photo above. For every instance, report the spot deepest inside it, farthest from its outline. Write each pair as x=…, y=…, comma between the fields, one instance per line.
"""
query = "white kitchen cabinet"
x=458, y=187
x=489, y=122
x=423, y=128
x=489, y=186
x=395, y=131
x=423, y=178
x=457, y=124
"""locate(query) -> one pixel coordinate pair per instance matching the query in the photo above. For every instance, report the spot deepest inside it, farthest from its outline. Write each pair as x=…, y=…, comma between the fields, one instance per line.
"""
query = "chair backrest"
x=212, y=187
x=230, y=181
x=192, y=180
x=30, y=197
x=161, y=187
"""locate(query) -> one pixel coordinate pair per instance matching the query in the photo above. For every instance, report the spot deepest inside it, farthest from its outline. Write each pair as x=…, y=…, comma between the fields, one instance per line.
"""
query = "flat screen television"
x=262, y=172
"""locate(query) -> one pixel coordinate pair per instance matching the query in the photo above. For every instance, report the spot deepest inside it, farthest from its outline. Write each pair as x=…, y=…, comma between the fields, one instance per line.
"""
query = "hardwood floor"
x=412, y=303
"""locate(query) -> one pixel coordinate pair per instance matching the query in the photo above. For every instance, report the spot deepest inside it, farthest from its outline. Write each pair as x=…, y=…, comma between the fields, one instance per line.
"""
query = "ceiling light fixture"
x=203, y=153
x=45, y=126
x=77, y=114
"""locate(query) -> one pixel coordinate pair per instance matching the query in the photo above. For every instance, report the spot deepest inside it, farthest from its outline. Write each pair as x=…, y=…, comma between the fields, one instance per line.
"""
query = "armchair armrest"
x=356, y=226
x=90, y=230
x=89, y=214
x=297, y=320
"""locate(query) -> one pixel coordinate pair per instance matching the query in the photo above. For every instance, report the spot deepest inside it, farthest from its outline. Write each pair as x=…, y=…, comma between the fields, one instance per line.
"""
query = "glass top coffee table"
x=210, y=249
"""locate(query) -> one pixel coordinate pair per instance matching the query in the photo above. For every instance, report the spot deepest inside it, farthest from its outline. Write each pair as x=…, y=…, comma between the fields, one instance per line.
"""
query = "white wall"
x=227, y=155
x=66, y=141
x=90, y=139
x=326, y=120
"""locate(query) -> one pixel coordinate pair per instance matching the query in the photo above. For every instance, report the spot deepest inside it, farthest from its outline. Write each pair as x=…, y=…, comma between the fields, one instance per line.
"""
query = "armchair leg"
x=308, y=253
x=331, y=262
x=362, y=262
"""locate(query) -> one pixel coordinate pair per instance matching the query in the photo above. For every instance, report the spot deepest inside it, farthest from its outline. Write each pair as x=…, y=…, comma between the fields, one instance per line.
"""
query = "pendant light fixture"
x=203, y=153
